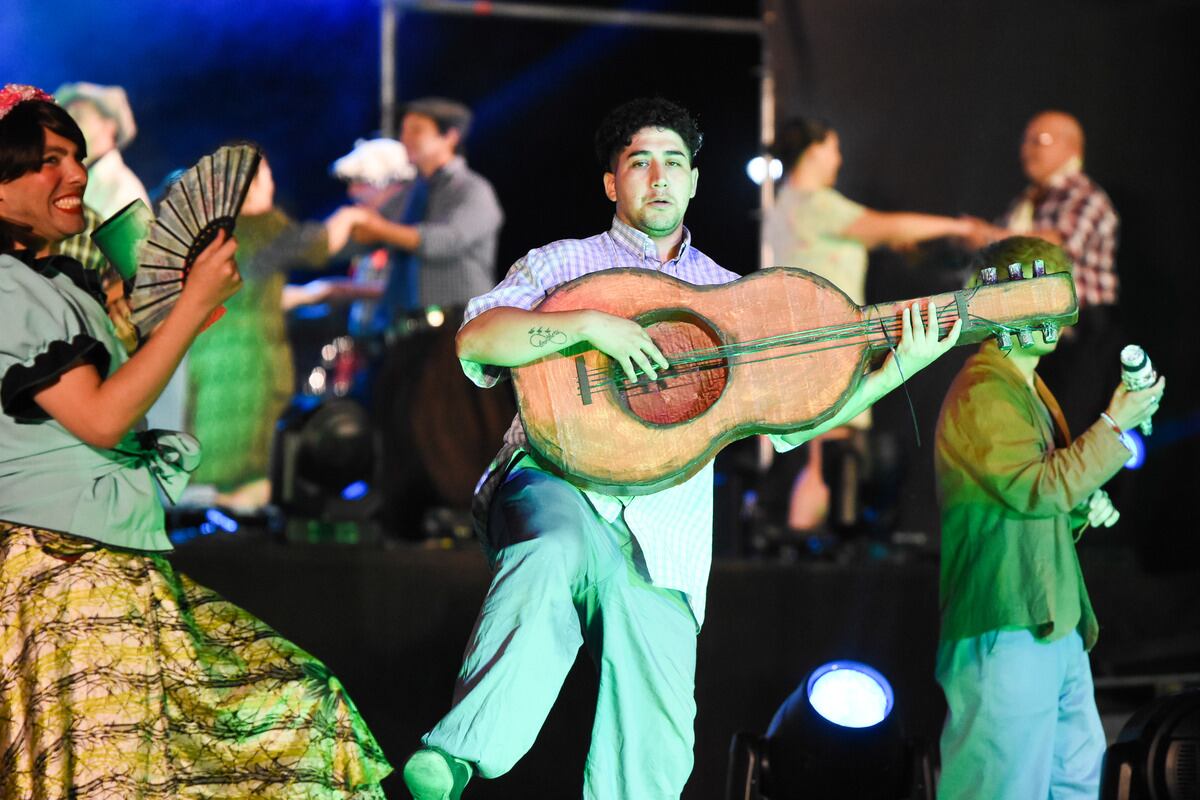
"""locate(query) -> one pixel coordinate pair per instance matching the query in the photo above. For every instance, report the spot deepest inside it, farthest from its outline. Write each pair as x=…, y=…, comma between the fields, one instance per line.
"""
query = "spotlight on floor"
x=836, y=735
x=1157, y=754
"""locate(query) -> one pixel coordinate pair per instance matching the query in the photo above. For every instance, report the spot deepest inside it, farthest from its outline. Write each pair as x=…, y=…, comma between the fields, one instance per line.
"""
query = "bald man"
x=1065, y=207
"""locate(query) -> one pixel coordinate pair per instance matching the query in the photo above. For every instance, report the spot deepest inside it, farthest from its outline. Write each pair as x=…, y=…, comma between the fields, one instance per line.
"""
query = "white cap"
x=374, y=161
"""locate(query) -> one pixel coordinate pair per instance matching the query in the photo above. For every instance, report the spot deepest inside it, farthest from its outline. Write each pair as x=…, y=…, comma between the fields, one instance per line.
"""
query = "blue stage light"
x=850, y=694
x=1137, y=445
x=838, y=734
x=355, y=490
x=221, y=520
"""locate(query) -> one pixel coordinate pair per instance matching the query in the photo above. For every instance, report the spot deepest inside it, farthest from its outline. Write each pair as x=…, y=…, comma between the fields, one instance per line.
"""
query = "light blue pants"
x=1022, y=722
x=562, y=577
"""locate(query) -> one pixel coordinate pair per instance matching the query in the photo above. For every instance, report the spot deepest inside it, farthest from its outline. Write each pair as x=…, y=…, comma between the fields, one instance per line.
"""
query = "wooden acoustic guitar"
x=778, y=350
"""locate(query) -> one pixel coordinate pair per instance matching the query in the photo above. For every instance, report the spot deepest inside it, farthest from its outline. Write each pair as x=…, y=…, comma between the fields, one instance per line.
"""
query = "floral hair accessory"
x=14, y=94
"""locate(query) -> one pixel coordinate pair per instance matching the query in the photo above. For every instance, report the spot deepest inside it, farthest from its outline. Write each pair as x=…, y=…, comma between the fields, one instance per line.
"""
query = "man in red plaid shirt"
x=1065, y=207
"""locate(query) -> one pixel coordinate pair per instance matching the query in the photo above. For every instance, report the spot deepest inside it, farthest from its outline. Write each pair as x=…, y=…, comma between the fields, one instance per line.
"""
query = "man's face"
x=48, y=200
x=1050, y=140
x=428, y=149
x=99, y=132
x=652, y=182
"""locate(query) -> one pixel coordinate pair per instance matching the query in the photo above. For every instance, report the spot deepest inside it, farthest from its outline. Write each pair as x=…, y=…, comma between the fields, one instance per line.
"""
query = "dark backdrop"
x=931, y=98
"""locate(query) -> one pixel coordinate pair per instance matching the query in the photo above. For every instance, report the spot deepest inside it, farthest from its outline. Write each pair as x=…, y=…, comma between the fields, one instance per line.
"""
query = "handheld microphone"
x=1137, y=373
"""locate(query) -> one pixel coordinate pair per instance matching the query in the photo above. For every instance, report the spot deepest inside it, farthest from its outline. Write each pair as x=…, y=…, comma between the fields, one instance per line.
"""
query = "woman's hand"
x=340, y=223
x=214, y=276
x=368, y=228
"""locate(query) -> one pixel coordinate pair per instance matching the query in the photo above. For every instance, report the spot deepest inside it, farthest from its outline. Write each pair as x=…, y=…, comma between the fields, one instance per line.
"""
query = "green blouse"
x=805, y=229
x=52, y=319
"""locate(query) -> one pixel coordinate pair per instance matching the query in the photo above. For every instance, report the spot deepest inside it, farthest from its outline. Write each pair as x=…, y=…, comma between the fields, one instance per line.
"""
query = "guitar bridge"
x=585, y=388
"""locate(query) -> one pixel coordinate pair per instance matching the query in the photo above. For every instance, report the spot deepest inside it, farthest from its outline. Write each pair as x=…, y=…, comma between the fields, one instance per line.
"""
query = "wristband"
x=1112, y=423
x=1117, y=430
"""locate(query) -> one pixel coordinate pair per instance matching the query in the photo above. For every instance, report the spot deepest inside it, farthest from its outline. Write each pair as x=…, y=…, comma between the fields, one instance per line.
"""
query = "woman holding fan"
x=119, y=676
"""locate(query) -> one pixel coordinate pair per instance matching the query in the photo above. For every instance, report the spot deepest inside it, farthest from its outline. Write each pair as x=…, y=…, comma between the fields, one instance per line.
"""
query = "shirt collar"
x=1063, y=175
x=88, y=280
x=639, y=243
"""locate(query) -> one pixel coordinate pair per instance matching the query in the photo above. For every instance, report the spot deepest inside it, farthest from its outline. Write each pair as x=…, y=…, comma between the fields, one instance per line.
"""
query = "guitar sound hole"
x=694, y=382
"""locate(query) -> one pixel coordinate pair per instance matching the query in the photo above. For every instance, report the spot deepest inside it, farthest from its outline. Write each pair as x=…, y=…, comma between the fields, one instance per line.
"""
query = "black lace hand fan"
x=203, y=200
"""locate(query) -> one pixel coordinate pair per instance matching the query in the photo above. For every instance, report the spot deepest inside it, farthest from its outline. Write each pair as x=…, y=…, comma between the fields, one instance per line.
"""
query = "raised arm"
x=897, y=228
x=101, y=411
x=991, y=438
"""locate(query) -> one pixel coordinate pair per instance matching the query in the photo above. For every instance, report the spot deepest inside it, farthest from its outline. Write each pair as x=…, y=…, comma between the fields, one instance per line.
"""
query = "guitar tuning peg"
x=1025, y=338
x=988, y=275
x=1050, y=332
x=1015, y=272
x=1004, y=340
x=1039, y=268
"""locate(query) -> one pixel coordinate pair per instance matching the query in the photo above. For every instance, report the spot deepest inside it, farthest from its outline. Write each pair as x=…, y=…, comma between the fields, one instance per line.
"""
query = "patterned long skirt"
x=120, y=678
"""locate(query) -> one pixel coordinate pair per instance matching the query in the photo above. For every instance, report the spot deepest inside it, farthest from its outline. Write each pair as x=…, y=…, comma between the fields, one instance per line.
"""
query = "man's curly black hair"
x=617, y=130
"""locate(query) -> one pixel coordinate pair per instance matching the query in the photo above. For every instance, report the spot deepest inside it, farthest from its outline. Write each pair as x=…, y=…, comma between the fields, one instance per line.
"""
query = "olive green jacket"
x=1012, y=488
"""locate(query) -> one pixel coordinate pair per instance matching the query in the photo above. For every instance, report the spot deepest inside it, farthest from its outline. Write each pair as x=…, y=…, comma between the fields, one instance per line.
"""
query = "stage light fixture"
x=325, y=469
x=756, y=169
x=1137, y=446
x=837, y=735
x=850, y=694
x=1157, y=753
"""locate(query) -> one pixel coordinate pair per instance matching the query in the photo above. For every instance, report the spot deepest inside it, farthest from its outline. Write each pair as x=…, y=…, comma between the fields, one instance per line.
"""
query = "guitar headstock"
x=1041, y=302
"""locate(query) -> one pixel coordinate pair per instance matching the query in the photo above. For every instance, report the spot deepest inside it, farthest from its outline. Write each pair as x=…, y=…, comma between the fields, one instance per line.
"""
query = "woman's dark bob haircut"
x=23, y=144
x=23, y=138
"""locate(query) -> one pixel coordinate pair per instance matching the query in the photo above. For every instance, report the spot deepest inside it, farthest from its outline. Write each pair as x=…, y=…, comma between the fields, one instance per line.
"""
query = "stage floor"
x=391, y=622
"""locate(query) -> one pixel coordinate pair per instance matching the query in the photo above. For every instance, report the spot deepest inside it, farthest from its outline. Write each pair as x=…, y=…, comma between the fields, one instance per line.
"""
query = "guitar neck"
x=1008, y=307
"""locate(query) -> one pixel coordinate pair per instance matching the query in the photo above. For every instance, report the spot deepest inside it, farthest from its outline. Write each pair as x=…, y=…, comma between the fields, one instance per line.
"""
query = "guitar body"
x=776, y=351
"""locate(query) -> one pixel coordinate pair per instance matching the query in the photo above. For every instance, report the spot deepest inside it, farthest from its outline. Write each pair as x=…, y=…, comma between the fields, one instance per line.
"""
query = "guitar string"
x=702, y=356
x=840, y=330
x=783, y=340
x=601, y=379
x=727, y=352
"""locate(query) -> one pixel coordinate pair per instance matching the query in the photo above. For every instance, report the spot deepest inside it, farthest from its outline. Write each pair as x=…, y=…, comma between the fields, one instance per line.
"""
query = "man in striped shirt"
x=625, y=575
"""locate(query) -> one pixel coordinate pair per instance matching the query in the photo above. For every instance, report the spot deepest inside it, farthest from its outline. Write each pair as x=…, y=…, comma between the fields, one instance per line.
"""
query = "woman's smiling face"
x=48, y=201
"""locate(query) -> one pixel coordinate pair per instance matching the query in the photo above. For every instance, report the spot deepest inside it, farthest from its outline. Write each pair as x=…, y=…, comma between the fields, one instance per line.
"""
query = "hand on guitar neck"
x=919, y=346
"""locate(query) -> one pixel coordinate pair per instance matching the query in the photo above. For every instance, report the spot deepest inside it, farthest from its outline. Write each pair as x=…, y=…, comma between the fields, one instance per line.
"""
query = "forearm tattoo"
x=540, y=337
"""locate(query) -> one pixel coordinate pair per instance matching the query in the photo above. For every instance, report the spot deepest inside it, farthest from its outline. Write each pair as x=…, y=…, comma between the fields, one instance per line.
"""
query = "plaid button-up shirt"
x=1082, y=213
x=673, y=527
